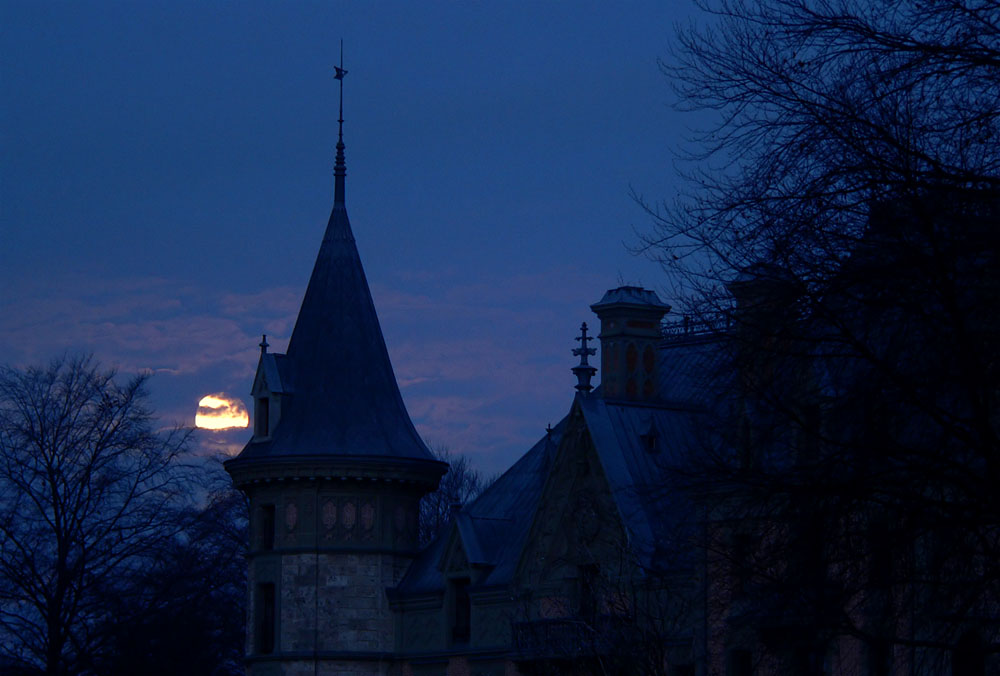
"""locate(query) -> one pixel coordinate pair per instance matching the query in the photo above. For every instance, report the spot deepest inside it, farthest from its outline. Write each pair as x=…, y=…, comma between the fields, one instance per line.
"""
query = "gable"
x=271, y=376
x=577, y=522
x=259, y=381
x=494, y=526
x=454, y=558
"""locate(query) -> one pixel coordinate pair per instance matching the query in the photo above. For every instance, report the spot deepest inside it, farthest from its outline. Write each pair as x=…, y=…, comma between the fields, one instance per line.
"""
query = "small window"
x=807, y=661
x=461, y=625
x=631, y=358
x=740, y=663
x=261, y=418
x=879, y=658
x=742, y=562
x=880, y=545
x=265, y=618
x=588, y=591
x=968, y=657
x=650, y=442
x=266, y=532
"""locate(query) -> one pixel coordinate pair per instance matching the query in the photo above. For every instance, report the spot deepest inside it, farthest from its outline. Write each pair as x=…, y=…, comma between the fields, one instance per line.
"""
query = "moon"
x=220, y=412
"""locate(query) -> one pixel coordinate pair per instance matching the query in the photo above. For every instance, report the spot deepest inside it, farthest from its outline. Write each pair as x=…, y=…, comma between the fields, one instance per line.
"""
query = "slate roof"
x=638, y=445
x=274, y=368
x=345, y=400
x=494, y=527
x=631, y=295
x=688, y=369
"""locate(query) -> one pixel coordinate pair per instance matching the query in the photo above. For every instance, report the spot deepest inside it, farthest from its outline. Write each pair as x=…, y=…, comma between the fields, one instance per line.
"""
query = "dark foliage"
x=189, y=617
x=841, y=239
x=106, y=564
x=459, y=486
x=89, y=497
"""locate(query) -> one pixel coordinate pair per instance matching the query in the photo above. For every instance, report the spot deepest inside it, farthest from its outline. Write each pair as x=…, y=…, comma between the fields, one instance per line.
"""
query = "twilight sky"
x=166, y=177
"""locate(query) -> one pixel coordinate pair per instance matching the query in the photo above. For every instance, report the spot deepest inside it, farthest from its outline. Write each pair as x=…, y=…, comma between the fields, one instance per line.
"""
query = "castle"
x=335, y=471
x=579, y=559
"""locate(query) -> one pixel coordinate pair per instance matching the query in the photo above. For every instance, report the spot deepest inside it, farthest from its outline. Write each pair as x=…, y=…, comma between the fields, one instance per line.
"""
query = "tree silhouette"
x=458, y=486
x=839, y=239
x=90, y=494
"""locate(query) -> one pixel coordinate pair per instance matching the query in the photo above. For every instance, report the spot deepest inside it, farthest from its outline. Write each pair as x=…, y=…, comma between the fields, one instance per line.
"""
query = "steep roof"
x=273, y=372
x=493, y=527
x=345, y=398
x=342, y=400
x=638, y=446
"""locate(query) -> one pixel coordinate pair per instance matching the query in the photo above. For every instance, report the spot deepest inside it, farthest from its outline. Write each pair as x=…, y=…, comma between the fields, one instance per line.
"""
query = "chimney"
x=764, y=295
x=630, y=332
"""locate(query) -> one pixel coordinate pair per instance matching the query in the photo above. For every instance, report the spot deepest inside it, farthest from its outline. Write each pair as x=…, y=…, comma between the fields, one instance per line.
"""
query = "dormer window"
x=650, y=440
x=261, y=417
x=265, y=618
x=461, y=619
x=587, y=591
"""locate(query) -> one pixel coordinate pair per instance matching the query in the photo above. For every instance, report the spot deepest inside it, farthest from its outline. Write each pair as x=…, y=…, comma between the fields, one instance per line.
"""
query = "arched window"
x=648, y=359
x=461, y=619
x=265, y=618
x=261, y=417
x=265, y=532
x=968, y=657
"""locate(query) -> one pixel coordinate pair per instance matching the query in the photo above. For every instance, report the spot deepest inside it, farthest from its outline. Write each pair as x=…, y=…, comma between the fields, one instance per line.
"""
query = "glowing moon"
x=219, y=412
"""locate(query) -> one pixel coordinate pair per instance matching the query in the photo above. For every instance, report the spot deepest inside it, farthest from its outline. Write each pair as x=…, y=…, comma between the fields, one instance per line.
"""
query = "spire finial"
x=263, y=344
x=584, y=371
x=340, y=168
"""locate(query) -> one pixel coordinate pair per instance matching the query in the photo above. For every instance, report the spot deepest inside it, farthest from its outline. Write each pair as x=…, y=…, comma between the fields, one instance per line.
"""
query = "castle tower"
x=630, y=331
x=334, y=474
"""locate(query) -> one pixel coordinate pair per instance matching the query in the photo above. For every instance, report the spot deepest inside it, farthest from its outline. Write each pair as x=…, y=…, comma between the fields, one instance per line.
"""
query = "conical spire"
x=344, y=398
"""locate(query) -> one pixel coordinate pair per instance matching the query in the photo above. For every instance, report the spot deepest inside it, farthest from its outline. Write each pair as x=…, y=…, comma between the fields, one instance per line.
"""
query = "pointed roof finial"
x=263, y=344
x=340, y=168
x=584, y=371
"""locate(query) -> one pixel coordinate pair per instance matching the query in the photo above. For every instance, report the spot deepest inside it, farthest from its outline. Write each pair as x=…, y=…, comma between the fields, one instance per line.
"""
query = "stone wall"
x=348, y=613
x=336, y=547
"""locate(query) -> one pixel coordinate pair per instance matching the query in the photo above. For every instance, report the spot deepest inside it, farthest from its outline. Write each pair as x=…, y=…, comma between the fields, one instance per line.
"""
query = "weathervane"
x=584, y=371
x=340, y=168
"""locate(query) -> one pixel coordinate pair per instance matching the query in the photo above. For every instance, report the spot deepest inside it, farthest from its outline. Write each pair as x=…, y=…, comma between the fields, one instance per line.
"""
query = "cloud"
x=222, y=444
x=193, y=339
x=279, y=302
x=483, y=364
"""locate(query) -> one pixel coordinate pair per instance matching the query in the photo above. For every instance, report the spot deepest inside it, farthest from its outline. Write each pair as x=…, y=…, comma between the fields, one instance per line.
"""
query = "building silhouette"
x=588, y=556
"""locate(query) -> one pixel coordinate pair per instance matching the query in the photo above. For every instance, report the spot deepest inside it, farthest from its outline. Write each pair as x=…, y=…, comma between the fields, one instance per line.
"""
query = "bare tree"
x=817, y=111
x=89, y=494
x=460, y=485
x=839, y=237
x=193, y=595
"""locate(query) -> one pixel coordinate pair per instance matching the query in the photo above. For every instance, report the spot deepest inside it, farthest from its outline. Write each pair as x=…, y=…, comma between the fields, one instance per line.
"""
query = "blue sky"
x=167, y=175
